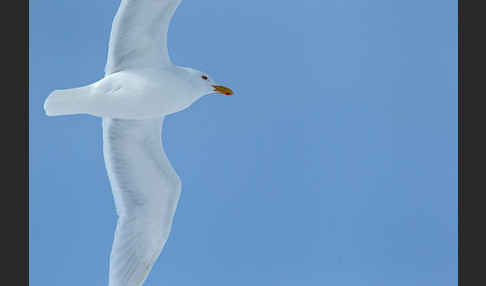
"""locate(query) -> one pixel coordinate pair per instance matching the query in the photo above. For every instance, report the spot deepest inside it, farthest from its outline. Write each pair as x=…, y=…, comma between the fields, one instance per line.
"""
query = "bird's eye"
x=204, y=77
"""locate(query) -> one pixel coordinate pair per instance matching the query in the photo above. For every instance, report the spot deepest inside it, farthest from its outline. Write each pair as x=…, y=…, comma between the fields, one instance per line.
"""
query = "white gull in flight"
x=140, y=87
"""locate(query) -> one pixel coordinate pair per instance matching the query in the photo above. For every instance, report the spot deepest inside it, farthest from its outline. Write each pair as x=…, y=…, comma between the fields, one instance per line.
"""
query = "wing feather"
x=146, y=190
x=138, y=36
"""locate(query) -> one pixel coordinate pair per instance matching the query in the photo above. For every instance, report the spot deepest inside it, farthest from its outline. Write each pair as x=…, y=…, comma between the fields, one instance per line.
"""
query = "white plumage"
x=146, y=190
x=140, y=87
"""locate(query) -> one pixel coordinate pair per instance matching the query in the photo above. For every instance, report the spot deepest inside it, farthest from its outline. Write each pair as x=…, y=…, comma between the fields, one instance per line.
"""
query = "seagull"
x=140, y=87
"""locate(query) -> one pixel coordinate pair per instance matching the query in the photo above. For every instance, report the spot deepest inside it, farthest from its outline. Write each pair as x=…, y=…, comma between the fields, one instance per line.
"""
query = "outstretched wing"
x=138, y=36
x=146, y=190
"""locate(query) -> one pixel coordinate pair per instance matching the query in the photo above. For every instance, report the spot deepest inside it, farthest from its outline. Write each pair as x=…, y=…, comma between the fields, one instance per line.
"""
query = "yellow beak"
x=223, y=89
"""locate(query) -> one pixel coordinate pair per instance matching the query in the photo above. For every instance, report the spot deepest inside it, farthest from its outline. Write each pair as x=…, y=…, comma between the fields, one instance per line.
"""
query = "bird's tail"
x=67, y=101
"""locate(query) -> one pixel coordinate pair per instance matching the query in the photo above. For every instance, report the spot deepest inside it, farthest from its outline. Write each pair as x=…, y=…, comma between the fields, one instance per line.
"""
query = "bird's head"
x=203, y=84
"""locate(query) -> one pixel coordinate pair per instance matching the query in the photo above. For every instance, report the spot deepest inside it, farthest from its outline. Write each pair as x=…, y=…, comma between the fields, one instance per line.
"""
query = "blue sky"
x=334, y=164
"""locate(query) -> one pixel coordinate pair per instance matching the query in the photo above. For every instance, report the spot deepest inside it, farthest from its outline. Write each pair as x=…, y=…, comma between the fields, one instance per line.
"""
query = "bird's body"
x=129, y=94
x=140, y=87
